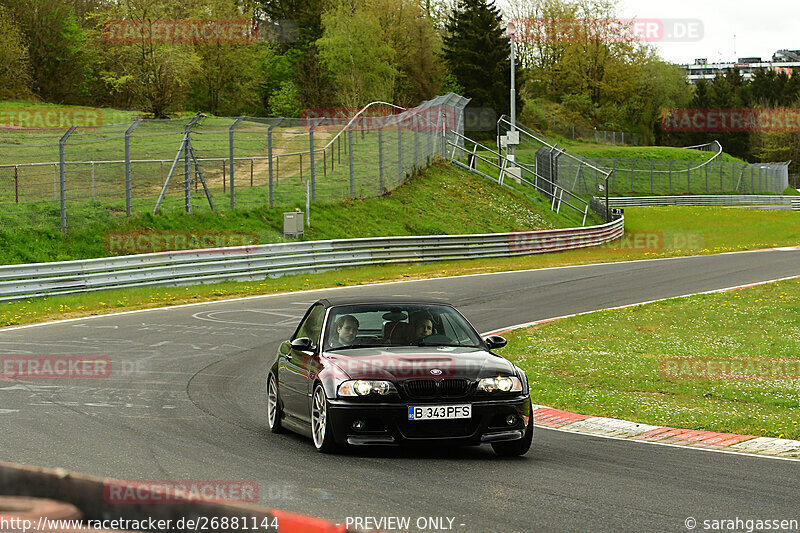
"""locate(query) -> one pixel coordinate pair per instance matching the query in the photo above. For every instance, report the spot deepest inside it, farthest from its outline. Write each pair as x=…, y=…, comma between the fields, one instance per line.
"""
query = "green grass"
x=651, y=233
x=617, y=363
x=440, y=200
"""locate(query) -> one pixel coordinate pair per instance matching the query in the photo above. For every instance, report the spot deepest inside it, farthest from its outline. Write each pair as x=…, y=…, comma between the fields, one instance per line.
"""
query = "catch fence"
x=82, y=176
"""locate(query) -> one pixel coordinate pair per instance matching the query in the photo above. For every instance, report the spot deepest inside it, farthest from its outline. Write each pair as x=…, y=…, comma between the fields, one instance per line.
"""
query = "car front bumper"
x=387, y=423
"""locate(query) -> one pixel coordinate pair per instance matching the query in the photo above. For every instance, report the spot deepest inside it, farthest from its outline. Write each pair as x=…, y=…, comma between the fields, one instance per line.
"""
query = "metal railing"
x=249, y=263
x=552, y=192
x=702, y=200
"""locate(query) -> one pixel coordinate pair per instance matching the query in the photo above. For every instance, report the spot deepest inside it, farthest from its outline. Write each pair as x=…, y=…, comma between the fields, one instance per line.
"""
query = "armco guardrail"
x=701, y=200
x=250, y=263
x=795, y=204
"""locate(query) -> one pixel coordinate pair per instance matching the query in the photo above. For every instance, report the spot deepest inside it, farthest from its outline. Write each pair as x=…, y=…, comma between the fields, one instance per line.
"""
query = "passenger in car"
x=346, y=331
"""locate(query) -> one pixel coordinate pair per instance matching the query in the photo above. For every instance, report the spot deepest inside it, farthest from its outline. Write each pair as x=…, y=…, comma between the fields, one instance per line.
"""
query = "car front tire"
x=515, y=448
x=320, y=422
x=274, y=411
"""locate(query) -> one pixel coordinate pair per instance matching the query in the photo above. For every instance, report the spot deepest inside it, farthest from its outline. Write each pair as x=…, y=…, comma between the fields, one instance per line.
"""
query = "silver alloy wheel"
x=319, y=417
x=272, y=402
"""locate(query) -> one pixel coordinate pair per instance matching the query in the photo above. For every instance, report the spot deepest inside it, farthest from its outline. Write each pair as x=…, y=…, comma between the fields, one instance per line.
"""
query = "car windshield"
x=371, y=325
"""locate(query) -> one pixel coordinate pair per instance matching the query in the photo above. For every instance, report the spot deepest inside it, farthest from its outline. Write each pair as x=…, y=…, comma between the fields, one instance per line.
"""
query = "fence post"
x=16, y=184
x=651, y=176
x=232, y=161
x=128, y=180
x=55, y=182
x=380, y=159
x=670, y=176
x=399, y=151
x=689, y=177
x=415, y=125
x=93, y=192
x=721, y=185
x=251, y=171
x=62, y=163
x=352, y=170
x=223, y=175
x=269, y=162
x=311, y=155
x=614, y=175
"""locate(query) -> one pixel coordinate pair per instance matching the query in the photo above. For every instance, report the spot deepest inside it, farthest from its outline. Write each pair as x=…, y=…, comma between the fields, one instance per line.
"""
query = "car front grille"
x=432, y=388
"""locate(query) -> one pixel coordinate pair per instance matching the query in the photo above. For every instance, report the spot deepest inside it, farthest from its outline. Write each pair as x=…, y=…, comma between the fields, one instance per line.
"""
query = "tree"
x=14, y=67
x=353, y=51
x=150, y=73
x=57, y=49
x=477, y=52
x=408, y=30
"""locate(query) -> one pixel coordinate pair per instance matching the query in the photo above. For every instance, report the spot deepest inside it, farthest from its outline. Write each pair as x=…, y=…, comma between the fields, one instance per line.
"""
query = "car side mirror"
x=495, y=341
x=302, y=344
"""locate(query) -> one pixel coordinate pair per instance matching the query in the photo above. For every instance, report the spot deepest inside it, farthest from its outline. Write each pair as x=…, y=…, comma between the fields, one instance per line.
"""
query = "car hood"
x=408, y=362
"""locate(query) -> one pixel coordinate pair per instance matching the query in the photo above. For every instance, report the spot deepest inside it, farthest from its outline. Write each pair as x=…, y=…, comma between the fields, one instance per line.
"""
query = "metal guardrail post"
x=352, y=170
x=232, y=160
x=128, y=179
x=62, y=164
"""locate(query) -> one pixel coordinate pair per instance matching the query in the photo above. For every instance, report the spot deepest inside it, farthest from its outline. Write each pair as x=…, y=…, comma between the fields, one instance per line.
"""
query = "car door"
x=294, y=366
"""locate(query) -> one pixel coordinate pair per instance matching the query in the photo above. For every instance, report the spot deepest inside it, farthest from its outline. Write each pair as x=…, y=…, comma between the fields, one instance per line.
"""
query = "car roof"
x=388, y=300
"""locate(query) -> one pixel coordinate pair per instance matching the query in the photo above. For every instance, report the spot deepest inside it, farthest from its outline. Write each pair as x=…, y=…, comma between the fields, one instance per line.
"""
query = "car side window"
x=312, y=325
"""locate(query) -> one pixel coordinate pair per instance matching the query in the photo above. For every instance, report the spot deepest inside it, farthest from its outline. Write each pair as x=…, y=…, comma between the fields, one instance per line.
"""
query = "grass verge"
x=651, y=233
x=441, y=200
x=653, y=363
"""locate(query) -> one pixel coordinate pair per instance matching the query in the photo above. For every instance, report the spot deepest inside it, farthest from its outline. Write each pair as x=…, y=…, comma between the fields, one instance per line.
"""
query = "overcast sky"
x=761, y=27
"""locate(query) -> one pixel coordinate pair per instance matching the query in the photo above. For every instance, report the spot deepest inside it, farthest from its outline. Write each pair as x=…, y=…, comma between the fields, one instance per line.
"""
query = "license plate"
x=439, y=412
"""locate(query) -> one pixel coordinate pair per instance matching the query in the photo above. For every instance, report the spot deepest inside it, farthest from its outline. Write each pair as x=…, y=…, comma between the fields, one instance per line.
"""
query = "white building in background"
x=787, y=61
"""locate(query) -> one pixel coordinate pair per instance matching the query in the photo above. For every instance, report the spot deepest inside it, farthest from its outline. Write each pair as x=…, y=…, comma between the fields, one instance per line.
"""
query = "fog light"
x=511, y=420
x=359, y=424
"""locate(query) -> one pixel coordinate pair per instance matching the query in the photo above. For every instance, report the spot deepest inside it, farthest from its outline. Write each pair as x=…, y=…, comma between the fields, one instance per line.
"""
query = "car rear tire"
x=515, y=448
x=274, y=411
x=320, y=422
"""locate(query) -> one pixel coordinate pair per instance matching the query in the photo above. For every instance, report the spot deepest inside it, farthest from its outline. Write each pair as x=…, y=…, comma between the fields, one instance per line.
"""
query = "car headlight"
x=500, y=384
x=364, y=387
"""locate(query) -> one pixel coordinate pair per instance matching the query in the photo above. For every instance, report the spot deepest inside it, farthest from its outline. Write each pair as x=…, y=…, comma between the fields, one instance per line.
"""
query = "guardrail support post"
x=232, y=160
x=62, y=163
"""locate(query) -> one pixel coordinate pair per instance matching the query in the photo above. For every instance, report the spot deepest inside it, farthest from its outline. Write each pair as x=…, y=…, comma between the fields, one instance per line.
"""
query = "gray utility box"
x=293, y=224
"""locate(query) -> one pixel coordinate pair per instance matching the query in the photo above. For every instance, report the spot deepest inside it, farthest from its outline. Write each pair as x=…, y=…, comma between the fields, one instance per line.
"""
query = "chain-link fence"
x=574, y=132
x=69, y=179
x=638, y=176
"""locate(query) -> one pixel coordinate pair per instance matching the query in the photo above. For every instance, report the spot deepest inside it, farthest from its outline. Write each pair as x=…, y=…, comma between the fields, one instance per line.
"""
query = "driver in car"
x=421, y=326
x=346, y=331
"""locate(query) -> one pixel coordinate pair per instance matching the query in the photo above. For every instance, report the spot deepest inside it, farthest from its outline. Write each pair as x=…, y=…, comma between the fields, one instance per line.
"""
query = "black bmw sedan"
x=392, y=371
